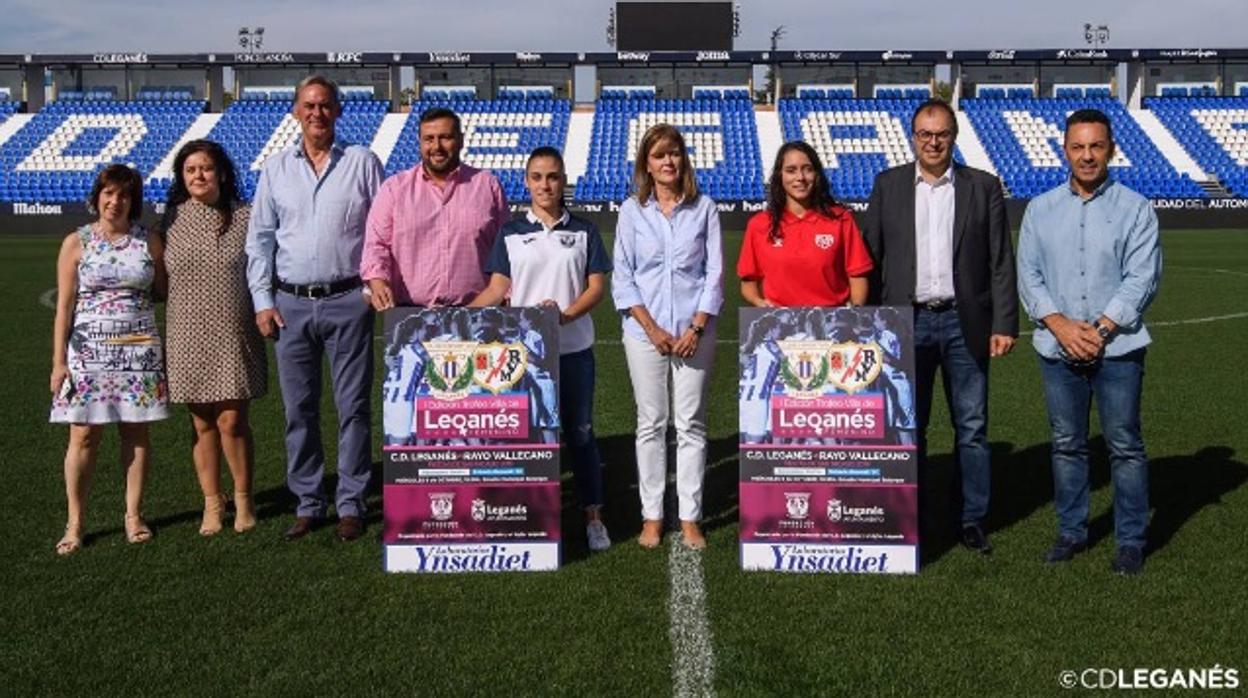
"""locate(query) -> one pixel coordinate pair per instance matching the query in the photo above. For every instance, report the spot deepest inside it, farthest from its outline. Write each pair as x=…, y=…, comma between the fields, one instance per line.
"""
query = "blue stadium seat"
x=255, y=128
x=1023, y=139
x=498, y=135
x=720, y=133
x=55, y=156
x=855, y=138
x=1213, y=130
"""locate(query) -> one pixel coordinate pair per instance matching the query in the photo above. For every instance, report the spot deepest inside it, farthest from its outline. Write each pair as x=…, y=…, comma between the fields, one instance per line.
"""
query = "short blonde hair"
x=643, y=183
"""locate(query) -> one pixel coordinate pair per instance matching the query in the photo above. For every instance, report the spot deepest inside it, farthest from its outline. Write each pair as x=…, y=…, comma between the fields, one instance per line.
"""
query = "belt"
x=315, y=291
x=936, y=306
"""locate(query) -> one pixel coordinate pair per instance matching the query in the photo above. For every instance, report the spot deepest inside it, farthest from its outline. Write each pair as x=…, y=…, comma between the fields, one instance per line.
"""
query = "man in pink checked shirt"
x=431, y=228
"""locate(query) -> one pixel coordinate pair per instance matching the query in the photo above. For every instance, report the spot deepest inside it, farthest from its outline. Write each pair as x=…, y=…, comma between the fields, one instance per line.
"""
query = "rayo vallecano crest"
x=824, y=241
x=854, y=366
x=805, y=367
x=797, y=504
x=498, y=366
x=441, y=505
x=449, y=368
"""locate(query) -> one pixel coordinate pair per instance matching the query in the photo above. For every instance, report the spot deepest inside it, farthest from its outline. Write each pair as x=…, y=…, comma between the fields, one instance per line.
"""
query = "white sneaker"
x=596, y=532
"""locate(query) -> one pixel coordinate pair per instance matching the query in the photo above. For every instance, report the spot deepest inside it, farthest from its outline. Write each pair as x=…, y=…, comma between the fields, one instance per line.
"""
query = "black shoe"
x=299, y=529
x=1129, y=561
x=1065, y=550
x=974, y=538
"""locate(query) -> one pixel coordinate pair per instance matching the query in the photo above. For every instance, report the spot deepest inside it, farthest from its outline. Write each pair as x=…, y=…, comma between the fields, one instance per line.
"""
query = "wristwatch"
x=1102, y=330
x=697, y=329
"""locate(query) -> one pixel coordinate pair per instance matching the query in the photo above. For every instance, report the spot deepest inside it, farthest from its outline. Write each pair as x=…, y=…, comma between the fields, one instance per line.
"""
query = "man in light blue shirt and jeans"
x=303, y=265
x=1089, y=262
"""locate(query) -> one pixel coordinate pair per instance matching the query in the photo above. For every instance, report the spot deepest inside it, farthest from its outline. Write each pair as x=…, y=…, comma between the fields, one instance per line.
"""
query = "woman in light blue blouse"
x=668, y=287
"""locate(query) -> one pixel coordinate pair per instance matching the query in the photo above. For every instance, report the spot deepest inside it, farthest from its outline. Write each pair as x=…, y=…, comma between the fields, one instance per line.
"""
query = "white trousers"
x=649, y=371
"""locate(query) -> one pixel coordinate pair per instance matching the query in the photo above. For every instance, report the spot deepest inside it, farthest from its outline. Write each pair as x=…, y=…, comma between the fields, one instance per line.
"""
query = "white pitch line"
x=693, y=656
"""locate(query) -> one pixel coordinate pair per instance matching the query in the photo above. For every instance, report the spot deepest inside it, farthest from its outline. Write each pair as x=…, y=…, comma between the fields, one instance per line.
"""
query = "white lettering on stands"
x=130, y=130
x=37, y=209
x=119, y=58
x=888, y=129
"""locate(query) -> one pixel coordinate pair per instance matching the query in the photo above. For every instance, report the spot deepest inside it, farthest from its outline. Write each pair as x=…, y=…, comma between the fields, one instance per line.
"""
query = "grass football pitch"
x=235, y=614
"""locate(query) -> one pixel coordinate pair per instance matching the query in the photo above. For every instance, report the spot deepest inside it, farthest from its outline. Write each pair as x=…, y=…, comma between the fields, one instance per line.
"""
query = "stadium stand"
x=1213, y=130
x=1005, y=91
x=855, y=138
x=55, y=156
x=8, y=108
x=51, y=156
x=720, y=133
x=254, y=128
x=825, y=91
x=498, y=135
x=1023, y=137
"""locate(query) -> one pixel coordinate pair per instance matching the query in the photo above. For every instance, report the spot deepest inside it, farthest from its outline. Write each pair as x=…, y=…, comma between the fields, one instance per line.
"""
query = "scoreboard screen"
x=673, y=26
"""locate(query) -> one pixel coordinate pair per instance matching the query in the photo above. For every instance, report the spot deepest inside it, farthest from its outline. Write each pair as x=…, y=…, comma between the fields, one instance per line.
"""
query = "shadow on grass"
x=1022, y=483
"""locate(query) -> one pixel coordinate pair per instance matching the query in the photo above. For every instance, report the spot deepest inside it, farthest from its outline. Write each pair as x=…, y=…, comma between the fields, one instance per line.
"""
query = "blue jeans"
x=938, y=343
x=576, y=408
x=1116, y=384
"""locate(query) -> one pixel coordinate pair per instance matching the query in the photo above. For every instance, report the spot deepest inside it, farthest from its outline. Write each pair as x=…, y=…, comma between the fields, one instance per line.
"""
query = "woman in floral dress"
x=107, y=358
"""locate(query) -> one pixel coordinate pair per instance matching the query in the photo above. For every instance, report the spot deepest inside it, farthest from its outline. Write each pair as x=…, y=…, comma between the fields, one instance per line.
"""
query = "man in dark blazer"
x=941, y=243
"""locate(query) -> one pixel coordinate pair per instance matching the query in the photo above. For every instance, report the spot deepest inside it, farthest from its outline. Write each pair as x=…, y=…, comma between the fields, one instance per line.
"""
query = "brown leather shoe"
x=350, y=528
x=299, y=529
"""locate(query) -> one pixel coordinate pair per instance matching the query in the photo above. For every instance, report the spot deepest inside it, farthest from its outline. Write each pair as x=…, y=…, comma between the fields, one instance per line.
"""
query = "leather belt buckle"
x=936, y=306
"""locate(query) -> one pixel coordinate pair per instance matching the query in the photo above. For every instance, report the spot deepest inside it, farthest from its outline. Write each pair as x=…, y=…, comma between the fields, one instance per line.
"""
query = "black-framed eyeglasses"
x=942, y=136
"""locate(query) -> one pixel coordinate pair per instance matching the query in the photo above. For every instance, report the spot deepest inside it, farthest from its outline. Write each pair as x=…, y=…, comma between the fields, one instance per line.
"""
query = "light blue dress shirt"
x=310, y=229
x=1087, y=258
x=673, y=266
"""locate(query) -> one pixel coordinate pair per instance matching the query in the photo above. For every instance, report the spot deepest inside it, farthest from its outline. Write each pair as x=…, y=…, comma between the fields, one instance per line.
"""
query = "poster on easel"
x=829, y=463
x=471, y=454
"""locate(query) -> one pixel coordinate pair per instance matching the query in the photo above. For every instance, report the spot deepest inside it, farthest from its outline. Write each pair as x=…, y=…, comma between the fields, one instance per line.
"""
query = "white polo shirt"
x=551, y=263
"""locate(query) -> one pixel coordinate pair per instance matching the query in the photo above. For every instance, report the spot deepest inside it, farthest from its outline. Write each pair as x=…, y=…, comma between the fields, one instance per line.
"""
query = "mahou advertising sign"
x=828, y=478
x=471, y=416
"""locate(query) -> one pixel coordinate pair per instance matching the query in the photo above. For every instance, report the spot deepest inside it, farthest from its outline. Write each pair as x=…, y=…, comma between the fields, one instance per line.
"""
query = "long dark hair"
x=227, y=180
x=820, y=195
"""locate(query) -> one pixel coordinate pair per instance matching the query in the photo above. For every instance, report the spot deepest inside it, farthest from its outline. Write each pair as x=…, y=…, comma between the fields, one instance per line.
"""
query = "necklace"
x=116, y=240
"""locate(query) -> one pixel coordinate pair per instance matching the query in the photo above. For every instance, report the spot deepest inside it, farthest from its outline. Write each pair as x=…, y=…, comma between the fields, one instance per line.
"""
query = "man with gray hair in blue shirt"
x=1089, y=261
x=303, y=262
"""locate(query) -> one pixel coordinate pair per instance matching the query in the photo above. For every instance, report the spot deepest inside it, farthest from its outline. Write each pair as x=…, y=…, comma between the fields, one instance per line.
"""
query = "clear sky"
x=168, y=26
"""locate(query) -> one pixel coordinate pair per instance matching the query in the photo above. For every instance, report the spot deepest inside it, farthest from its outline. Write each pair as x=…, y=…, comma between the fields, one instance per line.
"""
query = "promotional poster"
x=828, y=478
x=471, y=420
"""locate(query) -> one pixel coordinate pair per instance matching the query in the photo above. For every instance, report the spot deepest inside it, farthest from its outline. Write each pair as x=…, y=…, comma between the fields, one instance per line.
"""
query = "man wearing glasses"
x=940, y=240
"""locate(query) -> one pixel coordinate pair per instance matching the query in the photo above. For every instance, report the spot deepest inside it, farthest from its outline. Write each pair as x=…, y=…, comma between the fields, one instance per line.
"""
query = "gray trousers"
x=342, y=327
